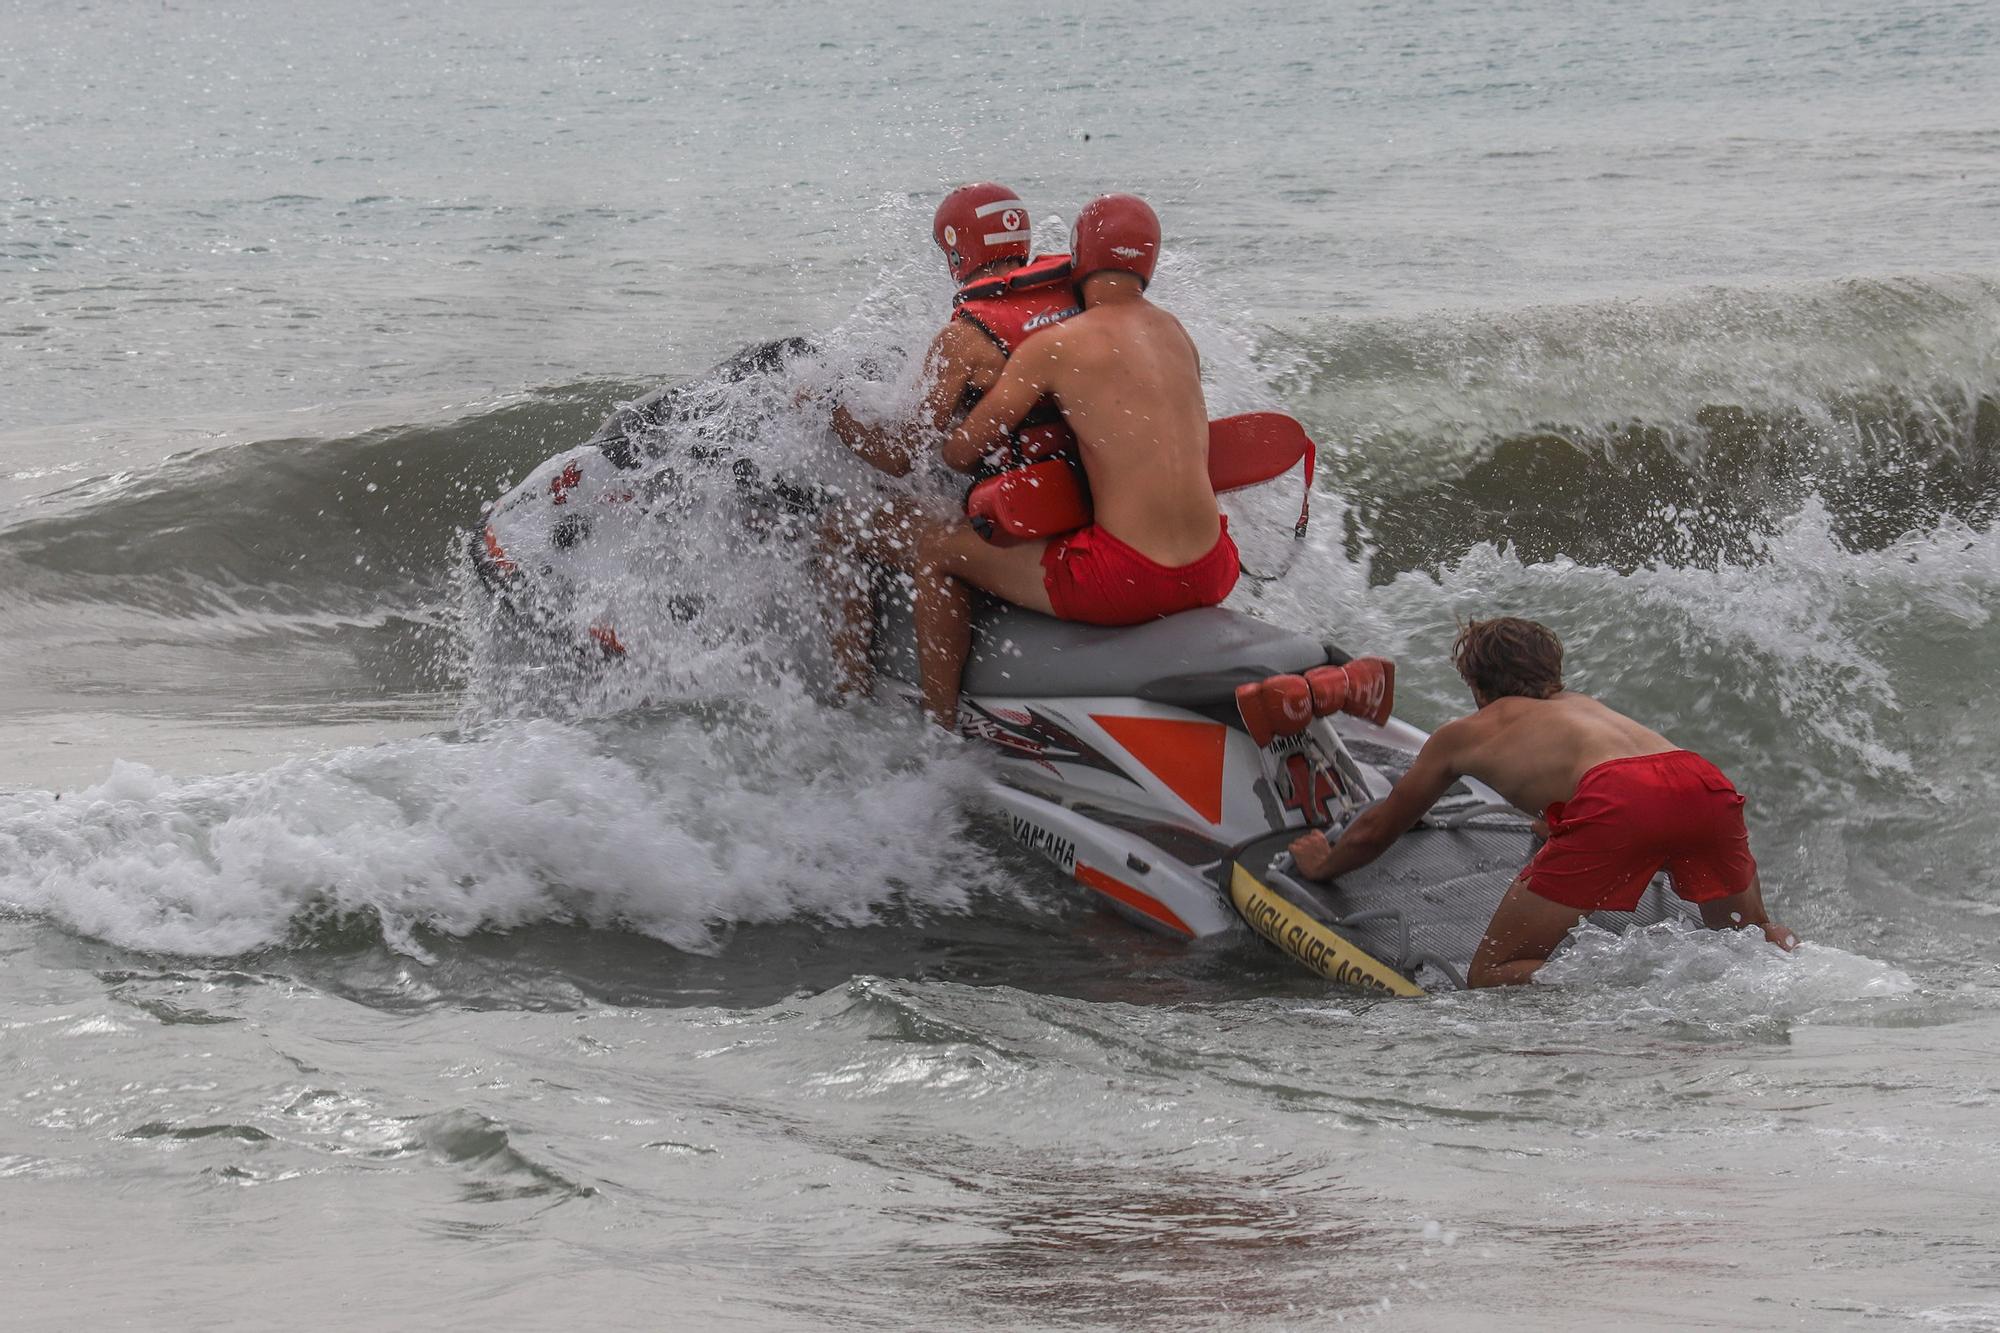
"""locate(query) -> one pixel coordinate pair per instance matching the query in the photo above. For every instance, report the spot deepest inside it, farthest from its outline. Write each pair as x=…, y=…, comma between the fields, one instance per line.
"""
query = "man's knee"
x=1524, y=930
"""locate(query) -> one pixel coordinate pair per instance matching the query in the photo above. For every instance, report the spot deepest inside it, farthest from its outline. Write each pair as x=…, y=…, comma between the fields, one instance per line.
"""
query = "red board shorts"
x=1630, y=817
x=1097, y=579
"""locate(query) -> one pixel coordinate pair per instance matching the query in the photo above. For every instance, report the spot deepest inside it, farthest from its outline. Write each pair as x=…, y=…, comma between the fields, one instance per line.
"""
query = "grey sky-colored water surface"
x=338, y=994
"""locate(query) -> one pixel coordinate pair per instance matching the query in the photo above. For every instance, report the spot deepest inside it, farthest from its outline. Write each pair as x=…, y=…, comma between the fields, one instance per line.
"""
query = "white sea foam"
x=1972, y=1318
x=753, y=803
x=671, y=828
x=1809, y=641
x=1687, y=974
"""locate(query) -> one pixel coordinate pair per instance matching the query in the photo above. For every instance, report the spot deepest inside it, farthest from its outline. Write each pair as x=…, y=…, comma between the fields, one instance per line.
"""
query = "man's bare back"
x=1129, y=382
x=1533, y=751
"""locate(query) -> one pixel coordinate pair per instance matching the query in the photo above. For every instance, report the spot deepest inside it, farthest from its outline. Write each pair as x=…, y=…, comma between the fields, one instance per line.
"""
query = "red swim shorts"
x=1630, y=817
x=1095, y=578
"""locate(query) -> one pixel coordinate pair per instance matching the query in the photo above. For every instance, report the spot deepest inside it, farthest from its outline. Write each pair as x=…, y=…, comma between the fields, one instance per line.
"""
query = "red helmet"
x=978, y=224
x=1116, y=231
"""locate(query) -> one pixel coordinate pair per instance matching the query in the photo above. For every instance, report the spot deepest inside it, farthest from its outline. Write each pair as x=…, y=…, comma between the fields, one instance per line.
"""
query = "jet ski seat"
x=1190, y=659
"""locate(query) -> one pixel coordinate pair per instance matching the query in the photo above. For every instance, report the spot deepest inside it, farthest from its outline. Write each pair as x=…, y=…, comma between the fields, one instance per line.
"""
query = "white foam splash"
x=751, y=803
x=1688, y=974
x=685, y=530
x=1972, y=1317
x=671, y=828
x=1809, y=639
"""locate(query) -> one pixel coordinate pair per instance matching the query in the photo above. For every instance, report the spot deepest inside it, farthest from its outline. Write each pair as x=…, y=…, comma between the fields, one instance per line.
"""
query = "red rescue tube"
x=1275, y=706
x=1371, y=689
x=1040, y=500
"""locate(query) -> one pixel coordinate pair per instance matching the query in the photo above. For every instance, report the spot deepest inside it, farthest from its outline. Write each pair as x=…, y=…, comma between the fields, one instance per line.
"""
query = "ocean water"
x=350, y=982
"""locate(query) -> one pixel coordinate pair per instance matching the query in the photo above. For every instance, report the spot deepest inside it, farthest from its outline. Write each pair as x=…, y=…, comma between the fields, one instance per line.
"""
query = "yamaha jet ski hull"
x=1120, y=756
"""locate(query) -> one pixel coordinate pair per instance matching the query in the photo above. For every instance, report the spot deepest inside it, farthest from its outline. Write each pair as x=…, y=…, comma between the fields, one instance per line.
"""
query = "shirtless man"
x=1621, y=802
x=1128, y=380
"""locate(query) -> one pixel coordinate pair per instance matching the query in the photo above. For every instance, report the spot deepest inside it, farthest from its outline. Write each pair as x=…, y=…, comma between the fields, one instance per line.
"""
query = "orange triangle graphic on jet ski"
x=1187, y=756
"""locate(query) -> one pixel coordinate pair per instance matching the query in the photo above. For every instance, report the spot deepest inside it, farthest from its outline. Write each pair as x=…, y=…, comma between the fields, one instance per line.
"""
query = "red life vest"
x=1010, y=309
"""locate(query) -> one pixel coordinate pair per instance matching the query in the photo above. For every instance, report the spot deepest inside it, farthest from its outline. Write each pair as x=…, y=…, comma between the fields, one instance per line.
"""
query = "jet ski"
x=1164, y=768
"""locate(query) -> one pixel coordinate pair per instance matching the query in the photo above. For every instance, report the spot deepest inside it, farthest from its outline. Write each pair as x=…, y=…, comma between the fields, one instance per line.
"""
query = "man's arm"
x=952, y=363
x=1024, y=383
x=1376, y=829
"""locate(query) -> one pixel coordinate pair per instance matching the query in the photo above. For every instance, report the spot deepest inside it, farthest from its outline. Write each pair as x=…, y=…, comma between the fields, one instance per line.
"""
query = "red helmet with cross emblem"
x=979, y=224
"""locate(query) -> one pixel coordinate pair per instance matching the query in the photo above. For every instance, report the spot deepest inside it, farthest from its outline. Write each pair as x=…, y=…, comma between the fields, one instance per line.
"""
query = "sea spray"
x=667, y=827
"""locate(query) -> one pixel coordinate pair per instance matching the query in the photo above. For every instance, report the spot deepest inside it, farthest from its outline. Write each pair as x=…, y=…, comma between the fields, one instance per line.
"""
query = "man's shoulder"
x=1575, y=704
x=962, y=329
x=1479, y=728
x=962, y=339
x=1565, y=709
x=1454, y=738
x=1108, y=327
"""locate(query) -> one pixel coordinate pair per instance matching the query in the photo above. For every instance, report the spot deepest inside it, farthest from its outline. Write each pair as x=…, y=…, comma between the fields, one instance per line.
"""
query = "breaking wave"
x=1680, y=429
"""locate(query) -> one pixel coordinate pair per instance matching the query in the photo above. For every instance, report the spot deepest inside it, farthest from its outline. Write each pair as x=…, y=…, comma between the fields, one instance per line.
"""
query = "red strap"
x=1306, y=496
x=1260, y=446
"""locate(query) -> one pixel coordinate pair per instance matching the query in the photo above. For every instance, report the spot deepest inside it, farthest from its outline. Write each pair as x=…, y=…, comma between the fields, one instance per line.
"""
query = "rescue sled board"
x=1423, y=907
x=1304, y=937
